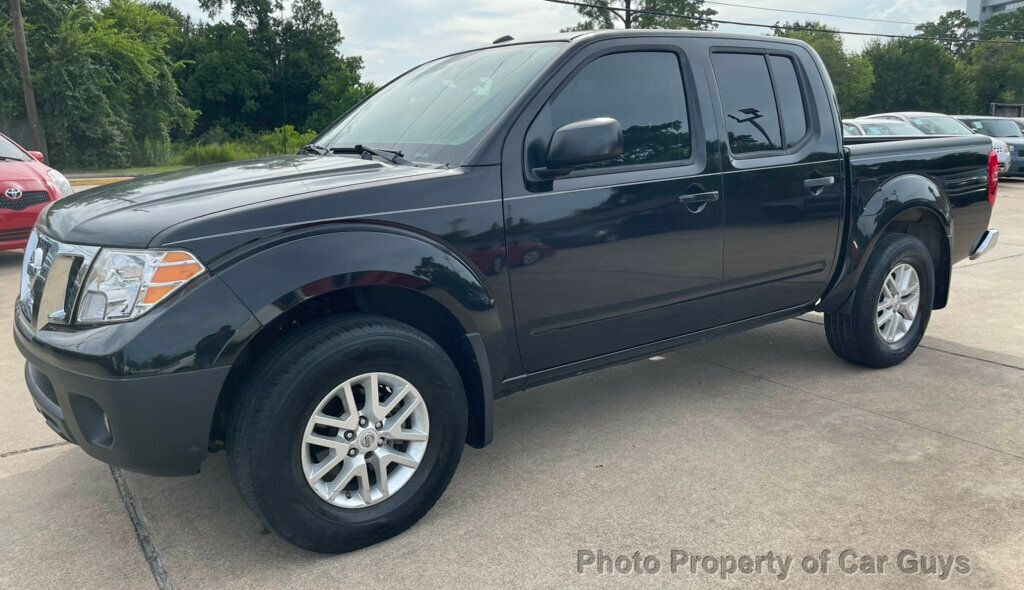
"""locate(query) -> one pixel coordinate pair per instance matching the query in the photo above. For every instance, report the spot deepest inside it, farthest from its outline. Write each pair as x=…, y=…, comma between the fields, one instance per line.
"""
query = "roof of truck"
x=573, y=36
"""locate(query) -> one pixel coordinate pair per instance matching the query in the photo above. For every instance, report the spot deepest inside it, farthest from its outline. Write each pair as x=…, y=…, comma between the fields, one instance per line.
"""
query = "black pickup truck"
x=341, y=321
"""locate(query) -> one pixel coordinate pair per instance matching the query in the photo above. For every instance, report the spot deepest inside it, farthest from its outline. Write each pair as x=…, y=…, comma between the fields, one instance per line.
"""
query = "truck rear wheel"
x=349, y=432
x=891, y=307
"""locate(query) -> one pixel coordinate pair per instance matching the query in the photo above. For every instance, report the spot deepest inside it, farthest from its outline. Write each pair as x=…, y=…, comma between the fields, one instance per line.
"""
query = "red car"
x=26, y=186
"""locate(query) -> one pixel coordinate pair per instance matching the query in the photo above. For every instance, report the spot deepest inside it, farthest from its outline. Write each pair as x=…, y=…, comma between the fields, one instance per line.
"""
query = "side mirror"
x=38, y=156
x=581, y=143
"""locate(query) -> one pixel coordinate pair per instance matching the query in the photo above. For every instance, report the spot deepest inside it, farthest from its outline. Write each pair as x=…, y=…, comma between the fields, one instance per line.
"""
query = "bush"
x=283, y=140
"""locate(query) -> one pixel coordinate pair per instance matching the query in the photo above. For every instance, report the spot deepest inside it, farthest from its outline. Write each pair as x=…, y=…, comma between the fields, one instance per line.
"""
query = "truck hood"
x=131, y=213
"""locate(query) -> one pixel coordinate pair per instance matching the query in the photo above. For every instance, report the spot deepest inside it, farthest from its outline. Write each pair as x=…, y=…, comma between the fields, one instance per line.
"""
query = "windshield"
x=890, y=128
x=937, y=125
x=438, y=112
x=995, y=127
x=10, y=151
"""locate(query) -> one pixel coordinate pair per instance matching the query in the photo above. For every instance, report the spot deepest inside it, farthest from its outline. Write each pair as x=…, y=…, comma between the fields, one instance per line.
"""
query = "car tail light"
x=993, y=177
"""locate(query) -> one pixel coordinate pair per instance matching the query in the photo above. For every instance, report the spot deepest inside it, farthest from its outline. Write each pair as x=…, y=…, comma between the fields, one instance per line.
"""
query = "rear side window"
x=790, y=98
x=643, y=91
x=763, y=101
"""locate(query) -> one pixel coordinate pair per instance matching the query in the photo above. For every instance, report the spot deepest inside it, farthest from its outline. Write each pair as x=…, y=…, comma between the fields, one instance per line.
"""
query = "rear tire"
x=870, y=334
x=274, y=464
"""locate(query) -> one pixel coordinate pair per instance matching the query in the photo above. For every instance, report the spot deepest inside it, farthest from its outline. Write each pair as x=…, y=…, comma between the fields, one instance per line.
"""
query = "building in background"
x=982, y=10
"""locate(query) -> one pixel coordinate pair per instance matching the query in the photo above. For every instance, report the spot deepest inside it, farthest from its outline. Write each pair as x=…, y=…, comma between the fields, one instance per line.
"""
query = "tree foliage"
x=118, y=80
x=955, y=27
x=641, y=14
x=852, y=74
x=916, y=75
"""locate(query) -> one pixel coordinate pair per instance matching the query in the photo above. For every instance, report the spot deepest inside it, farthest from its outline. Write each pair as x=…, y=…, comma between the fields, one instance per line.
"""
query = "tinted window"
x=791, y=99
x=643, y=91
x=850, y=129
x=995, y=127
x=751, y=115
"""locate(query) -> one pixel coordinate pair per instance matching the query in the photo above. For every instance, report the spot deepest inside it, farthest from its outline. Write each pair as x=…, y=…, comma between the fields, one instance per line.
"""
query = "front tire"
x=349, y=432
x=891, y=307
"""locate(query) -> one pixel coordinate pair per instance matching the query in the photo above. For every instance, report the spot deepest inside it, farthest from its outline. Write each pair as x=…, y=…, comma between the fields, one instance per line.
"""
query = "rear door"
x=627, y=252
x=783, y=182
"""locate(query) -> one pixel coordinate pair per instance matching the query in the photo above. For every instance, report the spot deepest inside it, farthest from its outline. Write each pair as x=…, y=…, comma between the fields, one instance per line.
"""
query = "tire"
x=498, y=265
x=268, y=452
x=856, y=336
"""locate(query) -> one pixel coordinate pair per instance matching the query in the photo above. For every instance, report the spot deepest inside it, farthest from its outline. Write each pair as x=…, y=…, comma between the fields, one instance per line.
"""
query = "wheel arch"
x=911, y=204
x=394, y=274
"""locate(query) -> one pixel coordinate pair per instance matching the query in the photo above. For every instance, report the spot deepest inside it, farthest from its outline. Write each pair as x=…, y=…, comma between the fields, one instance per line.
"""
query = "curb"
x=97, y=181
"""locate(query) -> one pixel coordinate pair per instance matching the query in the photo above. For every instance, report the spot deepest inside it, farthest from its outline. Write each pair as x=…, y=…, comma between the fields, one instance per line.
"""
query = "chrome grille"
x=51, y=277
x=26, y=200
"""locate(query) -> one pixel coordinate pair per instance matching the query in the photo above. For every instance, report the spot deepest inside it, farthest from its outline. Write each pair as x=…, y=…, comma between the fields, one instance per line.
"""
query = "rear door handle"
x=817, y=185
x=697, y=202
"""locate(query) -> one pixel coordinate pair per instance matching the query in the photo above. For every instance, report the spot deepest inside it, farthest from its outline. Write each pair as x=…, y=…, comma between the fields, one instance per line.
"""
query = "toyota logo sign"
x=12, y=194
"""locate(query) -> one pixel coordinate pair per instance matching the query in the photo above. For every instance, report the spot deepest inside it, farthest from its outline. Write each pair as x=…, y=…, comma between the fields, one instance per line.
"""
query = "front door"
x=625, y=252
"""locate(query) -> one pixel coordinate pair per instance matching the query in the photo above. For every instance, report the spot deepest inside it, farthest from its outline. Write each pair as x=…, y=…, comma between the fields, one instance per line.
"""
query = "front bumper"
x=158, y=424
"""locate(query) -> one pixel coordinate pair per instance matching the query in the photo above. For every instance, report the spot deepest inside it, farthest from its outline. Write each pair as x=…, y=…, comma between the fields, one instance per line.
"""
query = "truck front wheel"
x=891, y=307
x=349, y=432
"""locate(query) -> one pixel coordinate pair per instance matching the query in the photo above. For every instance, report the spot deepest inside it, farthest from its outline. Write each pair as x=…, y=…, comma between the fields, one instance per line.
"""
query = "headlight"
x=61, y=182
x=124, y=284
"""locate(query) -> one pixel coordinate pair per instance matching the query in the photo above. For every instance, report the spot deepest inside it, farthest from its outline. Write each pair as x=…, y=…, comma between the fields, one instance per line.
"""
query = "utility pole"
x=628, y=20
x=26, y=79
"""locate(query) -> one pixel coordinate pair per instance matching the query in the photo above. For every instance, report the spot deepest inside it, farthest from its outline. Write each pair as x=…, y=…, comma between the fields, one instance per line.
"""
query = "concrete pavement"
x=759, y=442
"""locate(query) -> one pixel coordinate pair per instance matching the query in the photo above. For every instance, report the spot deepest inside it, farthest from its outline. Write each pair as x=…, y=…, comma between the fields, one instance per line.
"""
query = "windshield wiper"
x=11, y=159
x=313, y=148
x=393, y=156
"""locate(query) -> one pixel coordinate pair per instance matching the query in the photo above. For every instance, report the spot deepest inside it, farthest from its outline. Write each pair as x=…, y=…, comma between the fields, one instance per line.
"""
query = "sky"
x=395, y=35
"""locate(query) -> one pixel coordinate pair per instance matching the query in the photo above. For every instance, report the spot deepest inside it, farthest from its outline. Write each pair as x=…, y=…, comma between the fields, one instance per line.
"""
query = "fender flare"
x=879, y=206
x=272, y=277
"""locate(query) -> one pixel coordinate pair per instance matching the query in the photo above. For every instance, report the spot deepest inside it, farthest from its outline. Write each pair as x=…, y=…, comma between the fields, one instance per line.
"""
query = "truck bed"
x=956, y=166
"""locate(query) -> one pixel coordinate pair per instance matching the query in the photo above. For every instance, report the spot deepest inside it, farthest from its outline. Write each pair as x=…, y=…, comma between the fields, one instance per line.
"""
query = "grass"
x=133, y=171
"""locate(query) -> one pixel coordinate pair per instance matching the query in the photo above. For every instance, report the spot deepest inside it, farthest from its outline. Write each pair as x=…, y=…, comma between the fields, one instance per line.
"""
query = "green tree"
x=955, y=26
x=997, y=73
x=1008, y=24
x=103, y=82
x=640, y=14
x=852, y=75
x=338, y=92
x=913, y=74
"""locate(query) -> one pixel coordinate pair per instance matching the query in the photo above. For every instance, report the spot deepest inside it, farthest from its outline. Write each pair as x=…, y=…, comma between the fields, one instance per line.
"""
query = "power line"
x=864, y=18
x=702, y=19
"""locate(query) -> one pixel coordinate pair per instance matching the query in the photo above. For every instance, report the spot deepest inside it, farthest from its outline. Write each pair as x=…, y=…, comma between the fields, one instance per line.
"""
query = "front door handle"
x=817, y=185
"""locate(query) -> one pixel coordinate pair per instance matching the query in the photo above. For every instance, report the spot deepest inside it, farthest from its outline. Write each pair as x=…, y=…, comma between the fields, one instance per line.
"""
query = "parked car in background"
x=27, y=185
x=876, y=128
x=1005, y=130
x=942, y=124
x=1019, y=121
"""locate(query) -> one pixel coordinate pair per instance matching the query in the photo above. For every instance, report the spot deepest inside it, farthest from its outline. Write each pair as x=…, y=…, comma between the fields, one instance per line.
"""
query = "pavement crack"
x=30, y=449
x=942, y=350
x=856, y=407
x=149, y=550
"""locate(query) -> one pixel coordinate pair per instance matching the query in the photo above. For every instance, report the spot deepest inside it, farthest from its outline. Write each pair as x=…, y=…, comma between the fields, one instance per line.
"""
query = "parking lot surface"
x=760, y=442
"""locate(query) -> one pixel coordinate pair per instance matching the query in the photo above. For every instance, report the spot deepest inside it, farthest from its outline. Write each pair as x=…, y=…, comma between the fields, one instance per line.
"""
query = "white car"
x=942, y=124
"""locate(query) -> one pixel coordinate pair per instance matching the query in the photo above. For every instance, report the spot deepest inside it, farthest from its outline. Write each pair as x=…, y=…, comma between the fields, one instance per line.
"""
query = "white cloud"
x=395, y=35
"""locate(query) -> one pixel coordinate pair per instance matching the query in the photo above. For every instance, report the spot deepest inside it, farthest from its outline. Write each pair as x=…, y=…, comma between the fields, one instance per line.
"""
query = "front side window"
x=996, y=127
x=763, y=99
x=440, y=111
x=643, y=91
x=849, y=129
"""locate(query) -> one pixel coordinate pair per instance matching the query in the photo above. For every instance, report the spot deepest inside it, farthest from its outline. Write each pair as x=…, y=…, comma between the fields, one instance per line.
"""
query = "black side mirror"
x=580, y=143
